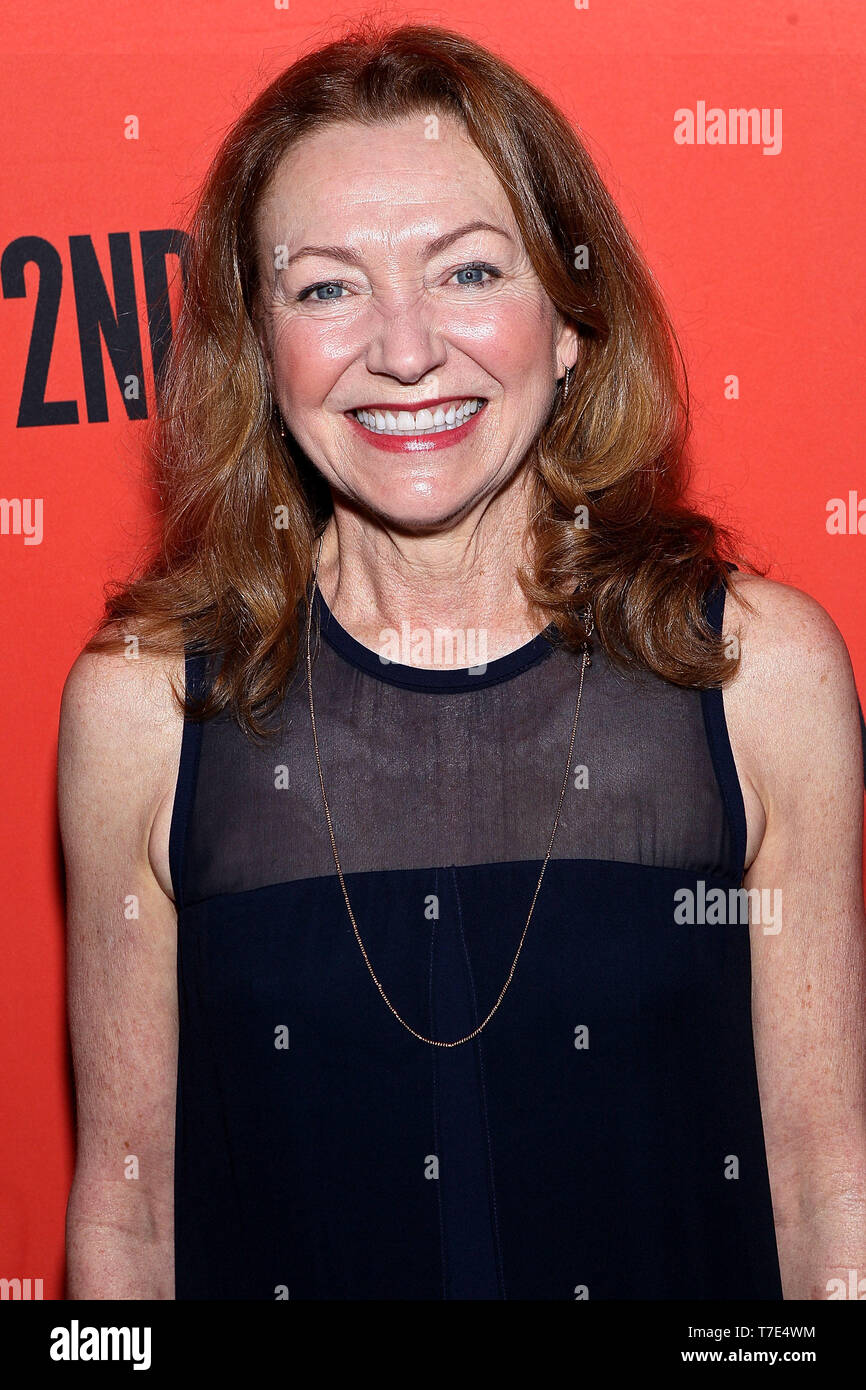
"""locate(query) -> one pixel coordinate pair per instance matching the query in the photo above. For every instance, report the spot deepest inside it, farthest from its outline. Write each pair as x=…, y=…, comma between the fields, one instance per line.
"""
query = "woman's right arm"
x=119, y=746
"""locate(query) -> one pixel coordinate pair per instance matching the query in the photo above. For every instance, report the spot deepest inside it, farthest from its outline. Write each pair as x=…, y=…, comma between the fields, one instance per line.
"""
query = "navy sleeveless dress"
x=602, y=1137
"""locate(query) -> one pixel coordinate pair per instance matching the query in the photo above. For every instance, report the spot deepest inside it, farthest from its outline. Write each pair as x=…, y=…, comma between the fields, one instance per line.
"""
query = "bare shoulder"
x=114, y=696
x=786, y=623
x=119, y=741
x=137, y=657
x=794, y=696
x=790, y=645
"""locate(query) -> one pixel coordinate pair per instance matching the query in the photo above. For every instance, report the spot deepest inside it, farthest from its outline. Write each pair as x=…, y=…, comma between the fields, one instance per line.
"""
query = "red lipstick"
x=416, y=443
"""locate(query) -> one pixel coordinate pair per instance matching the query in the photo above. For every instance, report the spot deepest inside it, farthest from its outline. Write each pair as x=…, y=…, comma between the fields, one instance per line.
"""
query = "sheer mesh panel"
x=420, y=778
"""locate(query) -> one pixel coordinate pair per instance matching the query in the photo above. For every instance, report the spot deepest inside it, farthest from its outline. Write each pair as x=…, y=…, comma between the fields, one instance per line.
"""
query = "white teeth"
x=421, y=421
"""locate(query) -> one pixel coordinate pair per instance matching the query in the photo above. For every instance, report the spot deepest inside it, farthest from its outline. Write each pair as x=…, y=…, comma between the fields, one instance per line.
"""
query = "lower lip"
x=416, y=443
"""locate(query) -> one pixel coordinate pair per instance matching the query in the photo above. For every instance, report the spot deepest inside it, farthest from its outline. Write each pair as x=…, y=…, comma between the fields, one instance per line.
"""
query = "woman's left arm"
x=795, y=709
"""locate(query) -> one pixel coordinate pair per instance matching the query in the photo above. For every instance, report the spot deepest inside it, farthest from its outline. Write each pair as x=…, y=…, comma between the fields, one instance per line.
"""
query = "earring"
x=566, y=382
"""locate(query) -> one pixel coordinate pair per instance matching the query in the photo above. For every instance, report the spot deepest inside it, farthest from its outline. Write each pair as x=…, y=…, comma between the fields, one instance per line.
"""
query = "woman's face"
x=417, y=307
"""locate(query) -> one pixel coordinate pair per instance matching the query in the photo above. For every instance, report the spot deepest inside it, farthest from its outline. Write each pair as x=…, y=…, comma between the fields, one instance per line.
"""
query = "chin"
x=420, y=515
x=412, y=504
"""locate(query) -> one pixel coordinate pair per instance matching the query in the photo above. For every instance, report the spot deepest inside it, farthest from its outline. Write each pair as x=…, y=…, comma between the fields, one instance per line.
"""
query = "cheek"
x=308, y=358
x=512, y=340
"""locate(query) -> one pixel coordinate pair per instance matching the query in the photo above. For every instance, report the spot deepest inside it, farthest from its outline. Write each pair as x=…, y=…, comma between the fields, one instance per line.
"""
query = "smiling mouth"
x=438, y=420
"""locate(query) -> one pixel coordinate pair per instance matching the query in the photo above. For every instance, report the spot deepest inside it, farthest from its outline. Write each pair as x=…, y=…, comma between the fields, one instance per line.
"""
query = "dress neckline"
x=430, y=680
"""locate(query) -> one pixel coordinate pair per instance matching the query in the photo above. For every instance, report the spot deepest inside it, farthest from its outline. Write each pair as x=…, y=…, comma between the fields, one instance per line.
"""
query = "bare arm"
x=119, y=745
x=796, y=710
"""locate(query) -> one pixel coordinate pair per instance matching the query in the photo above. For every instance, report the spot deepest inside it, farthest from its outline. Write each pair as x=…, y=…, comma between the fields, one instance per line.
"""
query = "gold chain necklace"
x=436, y=1042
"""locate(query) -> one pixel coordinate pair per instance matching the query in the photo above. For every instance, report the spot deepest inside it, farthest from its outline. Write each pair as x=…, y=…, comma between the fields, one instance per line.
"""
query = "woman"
x=415, y=968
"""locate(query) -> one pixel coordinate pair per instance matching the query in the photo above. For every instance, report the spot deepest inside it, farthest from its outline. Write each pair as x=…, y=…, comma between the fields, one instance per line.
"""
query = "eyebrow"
x=439, y=243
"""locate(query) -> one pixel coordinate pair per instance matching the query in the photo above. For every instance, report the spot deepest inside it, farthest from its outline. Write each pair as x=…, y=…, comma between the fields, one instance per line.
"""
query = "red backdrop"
x=758, y=253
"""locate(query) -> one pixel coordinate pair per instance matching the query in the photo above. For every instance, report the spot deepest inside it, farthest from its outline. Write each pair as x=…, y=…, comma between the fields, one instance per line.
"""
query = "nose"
x=405, y=343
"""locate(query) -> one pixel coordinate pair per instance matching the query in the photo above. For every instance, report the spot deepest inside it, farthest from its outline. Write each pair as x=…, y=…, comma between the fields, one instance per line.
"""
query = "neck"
x=375, y=579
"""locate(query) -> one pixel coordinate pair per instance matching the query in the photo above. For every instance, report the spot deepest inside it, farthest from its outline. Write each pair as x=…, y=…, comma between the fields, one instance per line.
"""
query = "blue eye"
x=323, y=285
x=478, y=267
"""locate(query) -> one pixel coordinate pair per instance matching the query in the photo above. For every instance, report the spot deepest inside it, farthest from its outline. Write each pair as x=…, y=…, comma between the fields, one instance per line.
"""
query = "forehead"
x=349, y=175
